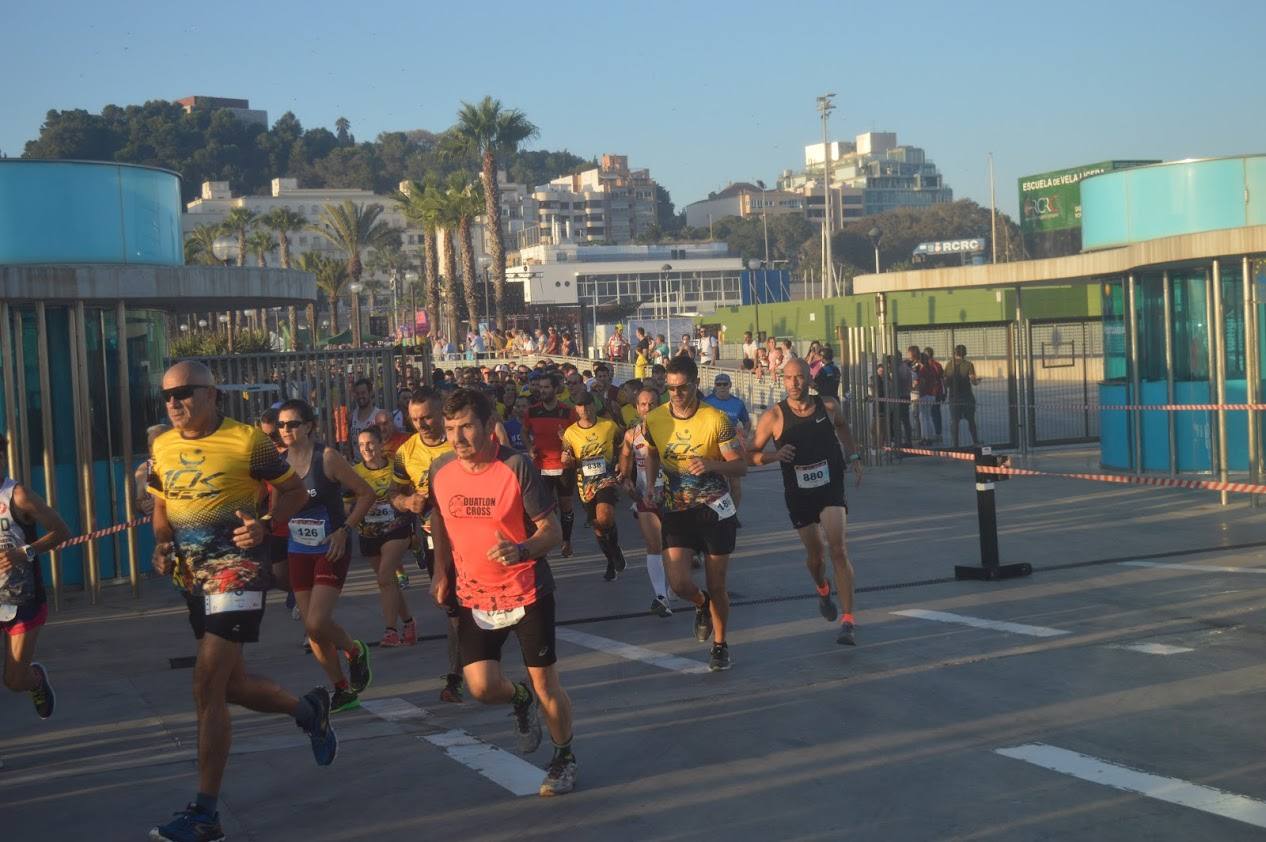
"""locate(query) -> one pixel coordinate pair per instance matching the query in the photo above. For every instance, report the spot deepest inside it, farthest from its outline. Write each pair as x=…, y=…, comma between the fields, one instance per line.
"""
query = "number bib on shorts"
x=380, y=513
x=723, y=506
x=493, y=620
x=813, y=476
x=551, y=472
x=593, y=468
x=222, y=603
x=7, y=612
x=307, y=531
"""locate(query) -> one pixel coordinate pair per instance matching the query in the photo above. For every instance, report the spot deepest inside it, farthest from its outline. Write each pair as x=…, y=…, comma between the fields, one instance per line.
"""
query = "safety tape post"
x=1119, y=479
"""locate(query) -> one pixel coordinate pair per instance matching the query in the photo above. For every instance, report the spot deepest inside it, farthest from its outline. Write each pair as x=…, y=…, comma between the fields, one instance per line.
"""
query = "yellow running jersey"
x=204, y=482
x=708, y=434
x=415, y=457
x=594, y=451
x=382, y=517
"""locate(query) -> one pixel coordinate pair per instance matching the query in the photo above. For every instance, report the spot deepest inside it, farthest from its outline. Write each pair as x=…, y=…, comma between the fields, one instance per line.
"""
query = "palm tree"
x=200, y=245
x=310, y=262
x=350, y=228
x=448, y=215
x=260, y=243
x=491, y=131
x=332, y=278
x=281, y=221
x=392, y=261
x=240, y=221
x=418, y=206
x=467, y=200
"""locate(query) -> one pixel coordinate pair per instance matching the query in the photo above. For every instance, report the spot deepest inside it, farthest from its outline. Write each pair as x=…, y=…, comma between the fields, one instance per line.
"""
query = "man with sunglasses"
x=207, y=482
x=697, y=448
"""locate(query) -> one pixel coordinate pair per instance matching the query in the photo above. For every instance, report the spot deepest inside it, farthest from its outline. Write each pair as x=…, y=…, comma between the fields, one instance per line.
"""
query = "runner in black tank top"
x=815, y=478
x=812, y=439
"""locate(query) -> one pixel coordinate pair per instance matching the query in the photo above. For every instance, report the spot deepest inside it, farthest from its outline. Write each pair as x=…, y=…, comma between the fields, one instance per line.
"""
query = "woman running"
x=645, y=493
x=318, y=551
x=384, y=536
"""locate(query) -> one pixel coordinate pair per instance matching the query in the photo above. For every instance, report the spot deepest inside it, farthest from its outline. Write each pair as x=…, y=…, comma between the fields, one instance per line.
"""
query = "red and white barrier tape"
x=101, y=533
x=1120, y=479
x=1121, y=407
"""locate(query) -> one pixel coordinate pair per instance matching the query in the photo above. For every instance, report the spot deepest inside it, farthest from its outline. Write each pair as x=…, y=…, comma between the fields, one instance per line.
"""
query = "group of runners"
x=481, y=488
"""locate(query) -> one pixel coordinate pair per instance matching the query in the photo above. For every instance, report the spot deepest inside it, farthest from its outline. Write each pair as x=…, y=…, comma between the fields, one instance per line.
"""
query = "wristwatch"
x=29, y=551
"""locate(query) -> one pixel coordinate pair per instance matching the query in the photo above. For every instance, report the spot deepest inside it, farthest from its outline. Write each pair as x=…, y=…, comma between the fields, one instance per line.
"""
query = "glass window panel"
x=1191, y=324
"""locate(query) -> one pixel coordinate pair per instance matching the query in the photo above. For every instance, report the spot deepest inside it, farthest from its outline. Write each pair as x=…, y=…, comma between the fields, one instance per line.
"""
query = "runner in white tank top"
x=23, y=603
x=645, y=493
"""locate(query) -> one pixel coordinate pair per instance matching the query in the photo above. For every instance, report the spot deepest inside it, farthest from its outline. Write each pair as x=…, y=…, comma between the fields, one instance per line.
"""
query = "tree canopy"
x=217, y=146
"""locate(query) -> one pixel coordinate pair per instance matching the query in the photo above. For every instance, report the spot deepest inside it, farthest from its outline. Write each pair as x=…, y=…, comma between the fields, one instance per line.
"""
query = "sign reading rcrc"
x=974, y=245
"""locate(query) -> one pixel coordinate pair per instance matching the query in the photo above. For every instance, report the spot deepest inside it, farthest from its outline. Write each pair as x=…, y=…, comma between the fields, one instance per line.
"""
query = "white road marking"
x=630, y=652
x=1200, y=568
x=1171, y=790
x=502, y=768
x=981, y=623
x=1154, y=648
x=394, y=709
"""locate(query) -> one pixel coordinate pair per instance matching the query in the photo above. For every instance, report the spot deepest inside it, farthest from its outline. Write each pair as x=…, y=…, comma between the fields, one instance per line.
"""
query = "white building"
x=743, y=199
x=610, y=203
x=700, y=277
x=217, y=200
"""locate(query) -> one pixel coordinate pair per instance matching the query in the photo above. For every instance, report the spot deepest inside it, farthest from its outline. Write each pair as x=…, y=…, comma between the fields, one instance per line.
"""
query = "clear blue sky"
x=703, y=93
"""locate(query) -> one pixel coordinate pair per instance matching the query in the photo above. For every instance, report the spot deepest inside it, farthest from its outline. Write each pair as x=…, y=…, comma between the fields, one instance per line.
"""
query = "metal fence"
x=251, y=383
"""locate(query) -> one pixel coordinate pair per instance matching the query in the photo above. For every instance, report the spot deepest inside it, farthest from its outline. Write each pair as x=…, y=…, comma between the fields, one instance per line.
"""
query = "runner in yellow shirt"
x=589, y=446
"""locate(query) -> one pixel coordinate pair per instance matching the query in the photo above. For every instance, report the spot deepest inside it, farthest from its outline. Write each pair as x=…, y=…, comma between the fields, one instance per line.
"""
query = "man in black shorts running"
x=814, y=448
x=697, y=448
x=207, y=482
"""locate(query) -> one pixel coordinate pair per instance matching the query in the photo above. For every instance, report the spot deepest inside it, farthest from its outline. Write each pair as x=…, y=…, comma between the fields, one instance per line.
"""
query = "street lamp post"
x=825, y=107
x=411, y=278
x=875, y=235
x=764, y=216
x=668, y=316
x=355, y=289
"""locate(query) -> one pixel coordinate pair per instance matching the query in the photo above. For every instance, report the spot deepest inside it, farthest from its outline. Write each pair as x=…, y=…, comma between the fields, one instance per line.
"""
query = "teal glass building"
x=91, y=268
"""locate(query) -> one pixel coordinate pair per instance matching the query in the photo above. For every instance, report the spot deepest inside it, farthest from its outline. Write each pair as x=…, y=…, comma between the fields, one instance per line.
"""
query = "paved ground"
x=944, y=723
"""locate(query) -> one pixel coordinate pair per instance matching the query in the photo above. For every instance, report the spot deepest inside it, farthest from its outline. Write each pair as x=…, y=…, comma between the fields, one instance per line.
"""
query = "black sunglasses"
x=180, y=393
x=290, y=425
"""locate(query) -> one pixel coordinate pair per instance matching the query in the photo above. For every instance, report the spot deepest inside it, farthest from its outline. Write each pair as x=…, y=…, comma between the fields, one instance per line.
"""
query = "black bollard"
x=990, y=567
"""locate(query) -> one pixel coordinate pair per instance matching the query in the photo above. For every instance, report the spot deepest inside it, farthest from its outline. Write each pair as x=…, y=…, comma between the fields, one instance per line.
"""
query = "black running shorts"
x=698, y=529
x=233, y=626
x=563, y=485
x=805, y=506
x=609, y=495
x=535, y=633
x=372, y=546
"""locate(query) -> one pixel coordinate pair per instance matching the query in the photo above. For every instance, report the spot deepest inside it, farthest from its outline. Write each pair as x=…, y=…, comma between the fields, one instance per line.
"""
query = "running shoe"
x=696, y=563
x=527, y=721
x=610, y=574
x=845, y=637
x=360, y=674
x=291, y=602
x=43, y=697
x=560, y=777
x=452, y=692
x=390, y=639
x=190, y=825
x=720, y=658
x=620, y=563
x=659, y=607
x=826, y=607
x=324, y=740
x=294, y=613
x=402, y=580
x=703, y=619
x=410, y=633
x=565, y=551
x=345, y=698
